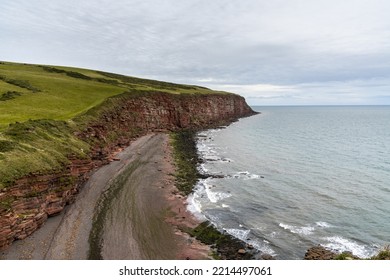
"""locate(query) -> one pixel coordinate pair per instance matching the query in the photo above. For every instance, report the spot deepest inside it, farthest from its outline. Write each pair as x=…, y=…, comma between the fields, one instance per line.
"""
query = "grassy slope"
x=64, y=95
x=60, y=97
x=40, y=108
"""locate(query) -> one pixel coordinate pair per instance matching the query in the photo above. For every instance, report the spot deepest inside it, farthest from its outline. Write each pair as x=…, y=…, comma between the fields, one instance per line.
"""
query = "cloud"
x=286, y=44
x=352, y=92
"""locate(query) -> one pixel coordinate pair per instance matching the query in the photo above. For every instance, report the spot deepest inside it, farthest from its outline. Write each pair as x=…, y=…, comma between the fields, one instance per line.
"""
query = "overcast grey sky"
x=273, y=52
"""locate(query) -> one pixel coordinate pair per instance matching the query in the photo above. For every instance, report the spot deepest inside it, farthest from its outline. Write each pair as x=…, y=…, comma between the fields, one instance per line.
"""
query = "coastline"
x=148, y=233
x=63, y=236
x=223, y=245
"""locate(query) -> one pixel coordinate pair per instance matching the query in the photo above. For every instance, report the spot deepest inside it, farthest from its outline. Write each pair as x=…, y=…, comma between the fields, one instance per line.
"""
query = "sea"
x=294, y=177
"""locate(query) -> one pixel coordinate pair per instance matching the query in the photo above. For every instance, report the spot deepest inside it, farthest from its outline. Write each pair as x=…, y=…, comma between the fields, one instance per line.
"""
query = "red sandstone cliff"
x=31, y=200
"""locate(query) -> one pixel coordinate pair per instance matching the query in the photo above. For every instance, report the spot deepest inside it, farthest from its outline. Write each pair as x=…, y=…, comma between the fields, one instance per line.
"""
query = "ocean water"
x=294, y=177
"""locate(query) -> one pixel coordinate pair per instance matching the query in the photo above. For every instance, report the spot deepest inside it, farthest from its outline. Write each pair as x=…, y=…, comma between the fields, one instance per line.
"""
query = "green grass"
x=55, y=96
x=42, y=107
x=37, y=146
x=61, y=93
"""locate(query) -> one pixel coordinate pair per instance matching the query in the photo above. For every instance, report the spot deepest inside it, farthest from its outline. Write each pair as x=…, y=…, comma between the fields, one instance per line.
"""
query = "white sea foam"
x=323, y=224
x=306, y=230
x=194, y=204
x=241, y=234
x=202, y=169
x=262, y=246
x=252, y=176
x=195, y=207
x=214, y=197
x=341, y=244
x=205, y=150
x=245, y=175
x=225, y=205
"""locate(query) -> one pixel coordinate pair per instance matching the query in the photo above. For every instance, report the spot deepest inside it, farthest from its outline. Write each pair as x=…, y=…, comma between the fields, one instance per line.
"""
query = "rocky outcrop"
x=319, y=253
x=31, y=200
x=26, y=205
x=132, y=117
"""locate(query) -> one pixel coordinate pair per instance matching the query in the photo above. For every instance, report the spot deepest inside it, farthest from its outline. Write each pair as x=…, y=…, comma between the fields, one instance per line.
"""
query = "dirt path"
x=124, y=206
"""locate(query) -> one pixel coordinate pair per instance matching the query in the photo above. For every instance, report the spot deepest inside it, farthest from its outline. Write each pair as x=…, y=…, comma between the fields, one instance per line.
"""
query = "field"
x=31, y=92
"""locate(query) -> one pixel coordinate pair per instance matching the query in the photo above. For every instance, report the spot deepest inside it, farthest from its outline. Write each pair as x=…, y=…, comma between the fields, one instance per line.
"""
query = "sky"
x=279, y=52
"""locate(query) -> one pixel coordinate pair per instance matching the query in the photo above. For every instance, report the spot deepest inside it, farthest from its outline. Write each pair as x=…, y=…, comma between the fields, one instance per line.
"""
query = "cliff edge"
x=47, y=161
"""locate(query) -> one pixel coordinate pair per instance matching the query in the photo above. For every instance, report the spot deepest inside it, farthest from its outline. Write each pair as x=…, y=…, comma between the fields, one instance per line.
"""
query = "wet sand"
x=131, y=207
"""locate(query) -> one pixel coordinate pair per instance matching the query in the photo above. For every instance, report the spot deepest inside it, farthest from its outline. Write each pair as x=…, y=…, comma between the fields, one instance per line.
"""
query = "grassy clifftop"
x=61, y=93
x=43, y=107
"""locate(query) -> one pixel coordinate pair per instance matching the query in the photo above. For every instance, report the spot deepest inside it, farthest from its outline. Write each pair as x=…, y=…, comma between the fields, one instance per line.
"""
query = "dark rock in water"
x=319, y=253
x=217, y=176
x=225, y=246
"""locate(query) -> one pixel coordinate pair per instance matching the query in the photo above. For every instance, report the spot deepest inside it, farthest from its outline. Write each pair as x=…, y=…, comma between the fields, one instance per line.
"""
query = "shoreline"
x=63, y=236
x=223, y=245
x=66, y=236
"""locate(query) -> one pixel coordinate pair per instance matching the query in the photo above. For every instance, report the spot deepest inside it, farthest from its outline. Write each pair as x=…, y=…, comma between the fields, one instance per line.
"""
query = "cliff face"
x=131, y=117
x=26, y=205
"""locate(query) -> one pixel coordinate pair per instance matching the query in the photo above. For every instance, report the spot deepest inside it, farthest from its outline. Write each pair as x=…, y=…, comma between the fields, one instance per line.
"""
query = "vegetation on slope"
x=37, y=147
x=61, y=93
x=41, y=108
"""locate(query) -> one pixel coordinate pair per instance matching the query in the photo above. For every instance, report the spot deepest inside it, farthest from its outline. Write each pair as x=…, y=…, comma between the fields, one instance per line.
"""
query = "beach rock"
x=267, y=257
x=319, y=253
x=241, y=251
